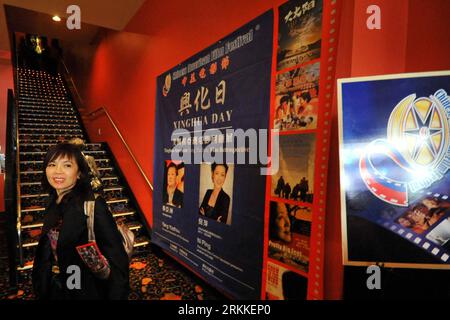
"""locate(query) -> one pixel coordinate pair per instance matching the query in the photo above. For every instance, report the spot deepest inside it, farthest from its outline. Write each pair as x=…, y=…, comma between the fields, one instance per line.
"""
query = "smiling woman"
x=216, y=202
x=65, y=228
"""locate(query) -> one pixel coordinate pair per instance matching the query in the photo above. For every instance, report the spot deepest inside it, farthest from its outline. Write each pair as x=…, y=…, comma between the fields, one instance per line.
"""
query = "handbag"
x=90, y=253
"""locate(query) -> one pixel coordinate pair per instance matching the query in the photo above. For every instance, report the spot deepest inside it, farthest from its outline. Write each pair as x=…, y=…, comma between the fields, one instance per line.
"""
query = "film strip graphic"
x=436, y=235
x=306, y=77
x=393, y=192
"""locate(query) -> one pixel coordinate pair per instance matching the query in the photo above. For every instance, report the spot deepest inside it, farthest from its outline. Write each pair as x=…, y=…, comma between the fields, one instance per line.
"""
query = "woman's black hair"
x=172, y=165
x=214, y=165
x=180, y=165
x=82, y=187
x=273, y=214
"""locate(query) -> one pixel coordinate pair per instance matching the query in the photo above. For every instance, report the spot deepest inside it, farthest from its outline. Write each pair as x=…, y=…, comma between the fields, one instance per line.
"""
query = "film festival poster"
x=303, y=91
x=394, y=169
x=209, y=214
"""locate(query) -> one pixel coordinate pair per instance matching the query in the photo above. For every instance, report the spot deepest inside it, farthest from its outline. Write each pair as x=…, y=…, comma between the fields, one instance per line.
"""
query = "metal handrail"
x=71, y=80
x=18, y=199
x=19, y=208
x=93, y=113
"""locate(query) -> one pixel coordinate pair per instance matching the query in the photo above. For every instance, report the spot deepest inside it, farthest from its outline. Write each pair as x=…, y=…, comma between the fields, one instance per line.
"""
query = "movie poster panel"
x=289, y=234
x=295, y=177
x=395, y=156
x=209, y=212
x=297, y=98
x=300, y=32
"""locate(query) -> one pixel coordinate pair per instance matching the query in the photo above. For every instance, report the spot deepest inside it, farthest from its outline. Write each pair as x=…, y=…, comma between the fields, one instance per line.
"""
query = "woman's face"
x=171, y=177
x=283, y=223
x=62, y=174
x=218, y=176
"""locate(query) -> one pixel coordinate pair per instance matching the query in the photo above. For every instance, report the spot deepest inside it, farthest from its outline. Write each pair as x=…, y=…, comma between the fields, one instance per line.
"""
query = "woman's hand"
x=202, y=211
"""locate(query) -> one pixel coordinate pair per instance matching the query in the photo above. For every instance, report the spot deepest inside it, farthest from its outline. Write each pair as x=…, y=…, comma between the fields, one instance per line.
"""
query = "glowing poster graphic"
x=394, y=151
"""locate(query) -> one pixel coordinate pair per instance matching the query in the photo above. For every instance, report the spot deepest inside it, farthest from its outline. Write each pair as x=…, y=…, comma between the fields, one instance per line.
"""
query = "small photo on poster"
x=295, y=177
x=424, y=214
x=283, y=284
x=299, y=32
x=173, y=190
x=289, y=234
x=216, y=191
x=297, y=98
x=441, y=234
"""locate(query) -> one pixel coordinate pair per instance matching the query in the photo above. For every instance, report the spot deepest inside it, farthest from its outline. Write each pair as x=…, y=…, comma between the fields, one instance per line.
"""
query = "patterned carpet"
x=153, y=276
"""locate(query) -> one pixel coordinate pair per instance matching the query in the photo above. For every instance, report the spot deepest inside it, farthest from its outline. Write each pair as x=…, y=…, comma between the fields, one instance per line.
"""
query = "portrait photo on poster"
x=216, y=191
x=295, y=177
x=173, y=189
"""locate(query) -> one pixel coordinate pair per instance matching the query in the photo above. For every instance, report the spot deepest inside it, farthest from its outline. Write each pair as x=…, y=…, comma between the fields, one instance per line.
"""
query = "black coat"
x=221, y=207
x=177, y=199
x=73, y=233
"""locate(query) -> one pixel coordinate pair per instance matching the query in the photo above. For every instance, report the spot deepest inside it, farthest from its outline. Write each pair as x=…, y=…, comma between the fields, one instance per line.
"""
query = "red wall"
x=428, y=46
x=6, y=82
x=126, y=65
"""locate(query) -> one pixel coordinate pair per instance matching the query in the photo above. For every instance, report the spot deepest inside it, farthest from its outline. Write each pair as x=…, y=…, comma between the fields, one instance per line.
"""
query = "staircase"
x=47, y=116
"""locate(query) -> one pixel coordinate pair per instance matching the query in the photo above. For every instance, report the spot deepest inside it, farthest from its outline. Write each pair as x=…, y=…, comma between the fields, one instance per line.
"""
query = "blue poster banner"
x=210, y=214
x=395, y=161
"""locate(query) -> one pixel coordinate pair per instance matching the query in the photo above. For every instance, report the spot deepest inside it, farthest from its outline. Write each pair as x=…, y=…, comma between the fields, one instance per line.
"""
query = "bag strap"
x=89, y=210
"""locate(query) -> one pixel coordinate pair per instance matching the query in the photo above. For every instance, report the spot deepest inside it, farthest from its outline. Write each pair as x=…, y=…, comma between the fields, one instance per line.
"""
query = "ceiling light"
x=56, y=18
